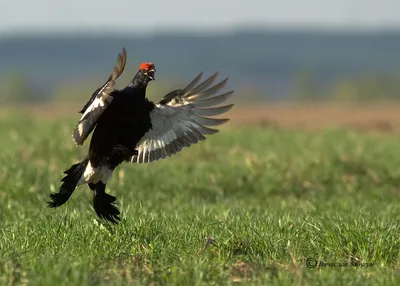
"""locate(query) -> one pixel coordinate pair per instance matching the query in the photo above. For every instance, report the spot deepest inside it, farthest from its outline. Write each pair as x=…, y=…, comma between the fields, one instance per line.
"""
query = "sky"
x=201, y=15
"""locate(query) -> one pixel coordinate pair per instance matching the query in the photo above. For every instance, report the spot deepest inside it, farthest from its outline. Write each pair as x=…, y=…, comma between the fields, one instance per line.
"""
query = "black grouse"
x=129, y=127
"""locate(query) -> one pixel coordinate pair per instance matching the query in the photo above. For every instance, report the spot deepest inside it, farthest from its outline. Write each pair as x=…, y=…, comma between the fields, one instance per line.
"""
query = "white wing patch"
x=179, y=120
x=98, y=102
x=90, y=117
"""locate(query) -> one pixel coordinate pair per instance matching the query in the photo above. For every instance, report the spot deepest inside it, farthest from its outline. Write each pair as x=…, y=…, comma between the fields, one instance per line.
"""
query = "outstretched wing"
x=180, y=119
x=99, y=101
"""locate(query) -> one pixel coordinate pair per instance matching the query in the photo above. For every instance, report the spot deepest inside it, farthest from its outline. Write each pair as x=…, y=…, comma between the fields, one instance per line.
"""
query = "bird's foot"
x=104, y=206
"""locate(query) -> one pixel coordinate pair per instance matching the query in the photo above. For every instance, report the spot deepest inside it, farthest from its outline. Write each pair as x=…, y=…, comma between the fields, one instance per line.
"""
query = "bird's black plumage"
x=117, y=130
x=121, y=125
x=128, y=127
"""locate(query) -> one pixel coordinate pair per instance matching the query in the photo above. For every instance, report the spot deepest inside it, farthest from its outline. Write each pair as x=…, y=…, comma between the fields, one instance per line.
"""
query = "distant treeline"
x=16, y=89
x=365, y=87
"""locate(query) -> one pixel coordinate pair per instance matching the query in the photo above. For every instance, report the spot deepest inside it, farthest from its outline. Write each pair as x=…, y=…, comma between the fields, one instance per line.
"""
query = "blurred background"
x=291, y=62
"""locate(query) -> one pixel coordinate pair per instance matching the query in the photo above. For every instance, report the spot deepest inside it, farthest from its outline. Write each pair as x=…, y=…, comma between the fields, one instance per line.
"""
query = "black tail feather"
x=69, y=184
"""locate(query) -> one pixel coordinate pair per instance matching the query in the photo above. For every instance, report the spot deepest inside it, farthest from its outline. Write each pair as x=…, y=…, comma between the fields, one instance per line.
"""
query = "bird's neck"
x=139, y=92
x=138, y=84
x=139, y=81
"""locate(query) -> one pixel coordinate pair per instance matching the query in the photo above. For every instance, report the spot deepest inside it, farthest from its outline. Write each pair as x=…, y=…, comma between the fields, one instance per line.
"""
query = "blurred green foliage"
x=16, y=89
x=366, y=87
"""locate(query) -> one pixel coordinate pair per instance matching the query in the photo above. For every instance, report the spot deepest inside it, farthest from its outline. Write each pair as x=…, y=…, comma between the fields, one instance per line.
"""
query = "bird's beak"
x=150, y=74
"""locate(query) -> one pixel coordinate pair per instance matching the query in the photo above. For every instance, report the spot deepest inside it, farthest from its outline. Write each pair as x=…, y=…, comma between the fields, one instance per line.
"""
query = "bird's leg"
x=123, y=152
x=103, y=203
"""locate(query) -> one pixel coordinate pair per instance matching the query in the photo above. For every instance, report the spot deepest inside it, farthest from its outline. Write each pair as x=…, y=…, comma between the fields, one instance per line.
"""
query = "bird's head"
x=144, y=75
x=148, y=69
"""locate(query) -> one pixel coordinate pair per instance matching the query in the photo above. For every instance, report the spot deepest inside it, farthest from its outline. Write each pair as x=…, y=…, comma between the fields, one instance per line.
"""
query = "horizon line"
x=199, y=31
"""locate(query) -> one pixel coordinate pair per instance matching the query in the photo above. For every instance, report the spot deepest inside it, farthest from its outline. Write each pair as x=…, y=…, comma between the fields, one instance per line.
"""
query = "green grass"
x=267, y=199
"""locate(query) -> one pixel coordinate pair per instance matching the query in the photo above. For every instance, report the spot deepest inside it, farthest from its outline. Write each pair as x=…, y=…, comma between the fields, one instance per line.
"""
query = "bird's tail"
x=69, y=183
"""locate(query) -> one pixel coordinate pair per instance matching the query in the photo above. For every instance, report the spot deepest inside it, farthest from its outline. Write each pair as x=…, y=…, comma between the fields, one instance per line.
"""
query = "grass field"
x=249, y=206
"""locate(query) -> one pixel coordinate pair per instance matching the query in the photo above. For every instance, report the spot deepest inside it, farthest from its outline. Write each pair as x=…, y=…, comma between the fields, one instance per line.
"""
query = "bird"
x=127, y=127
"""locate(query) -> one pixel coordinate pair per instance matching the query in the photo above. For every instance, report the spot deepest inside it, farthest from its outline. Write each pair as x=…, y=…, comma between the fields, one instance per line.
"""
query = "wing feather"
x=213, y=100
x=211, y=91
x=209, y=121
x=212, y=111
x=181, y=119
x=99, y=101
x=205, y=84
x=193, y=82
